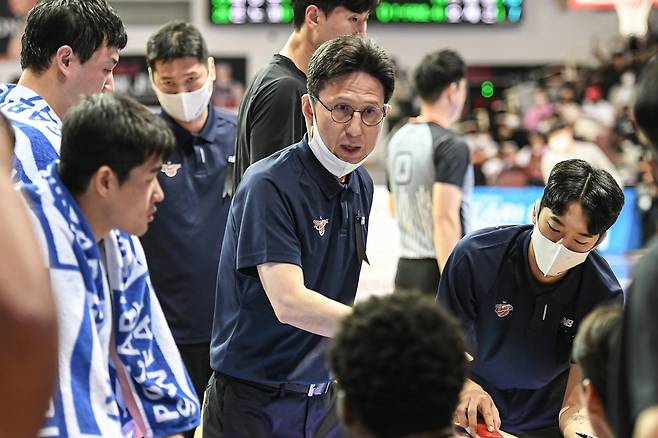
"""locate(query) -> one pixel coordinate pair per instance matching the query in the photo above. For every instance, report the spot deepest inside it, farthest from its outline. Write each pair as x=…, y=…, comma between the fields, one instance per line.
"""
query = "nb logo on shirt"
x=319, y=225
x=170, y=169
x=566, y=322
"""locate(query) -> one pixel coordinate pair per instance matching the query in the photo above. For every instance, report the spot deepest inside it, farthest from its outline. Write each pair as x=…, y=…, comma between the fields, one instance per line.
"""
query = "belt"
x=311, y=390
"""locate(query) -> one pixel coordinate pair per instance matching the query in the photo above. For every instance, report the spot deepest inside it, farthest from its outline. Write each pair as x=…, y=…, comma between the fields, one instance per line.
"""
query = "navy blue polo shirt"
x=287, y=209
x=183, y=242
x=520, y=330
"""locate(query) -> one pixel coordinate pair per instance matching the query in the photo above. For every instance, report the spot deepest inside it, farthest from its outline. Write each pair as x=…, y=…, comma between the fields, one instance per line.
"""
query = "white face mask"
x=553, y=258
x=185, y=106
x=332, y=163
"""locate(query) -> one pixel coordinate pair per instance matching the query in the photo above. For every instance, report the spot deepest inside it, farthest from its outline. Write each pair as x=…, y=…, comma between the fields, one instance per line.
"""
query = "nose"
x=158, y=193
x=108, y=87
x=355, y=125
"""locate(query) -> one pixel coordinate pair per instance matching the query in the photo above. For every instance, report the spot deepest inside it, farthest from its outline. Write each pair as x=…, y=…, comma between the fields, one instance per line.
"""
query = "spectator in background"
x=563, y=146
x=430, y=175
x=400, y=379
x=530, y=156
x=541, y=109
x=28, y=325
x=593, y=349
x=597, y=108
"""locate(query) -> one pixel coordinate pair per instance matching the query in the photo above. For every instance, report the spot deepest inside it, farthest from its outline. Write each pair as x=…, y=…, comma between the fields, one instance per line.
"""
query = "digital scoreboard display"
x=487, y=12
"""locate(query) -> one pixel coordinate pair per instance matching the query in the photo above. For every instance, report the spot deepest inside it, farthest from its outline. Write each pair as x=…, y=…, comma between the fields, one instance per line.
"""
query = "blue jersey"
x=287, y=209
x=183, y=242
x=520, y=331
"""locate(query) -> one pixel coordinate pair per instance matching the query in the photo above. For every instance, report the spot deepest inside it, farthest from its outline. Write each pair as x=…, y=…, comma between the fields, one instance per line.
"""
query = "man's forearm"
x=298, y=306
x=315, y=313
x=447, y=232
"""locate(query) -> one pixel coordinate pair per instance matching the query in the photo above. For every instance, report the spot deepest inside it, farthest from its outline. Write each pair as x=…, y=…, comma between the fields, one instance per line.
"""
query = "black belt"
x=310, y=390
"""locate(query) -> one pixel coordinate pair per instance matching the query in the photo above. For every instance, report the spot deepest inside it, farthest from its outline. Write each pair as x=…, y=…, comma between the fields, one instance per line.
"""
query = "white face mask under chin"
x=185, y=106
x=554, y=258
x=332, y=163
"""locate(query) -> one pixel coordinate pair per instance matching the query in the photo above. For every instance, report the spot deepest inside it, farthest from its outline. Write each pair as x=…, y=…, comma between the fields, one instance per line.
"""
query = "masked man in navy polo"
x=183, y=243
x=292, y=252
x=521, y=292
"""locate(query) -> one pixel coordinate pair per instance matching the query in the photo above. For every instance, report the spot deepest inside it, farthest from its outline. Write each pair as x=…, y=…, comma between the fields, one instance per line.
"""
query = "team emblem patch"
x=319, y=225
x=170, y=169
x=503, y=309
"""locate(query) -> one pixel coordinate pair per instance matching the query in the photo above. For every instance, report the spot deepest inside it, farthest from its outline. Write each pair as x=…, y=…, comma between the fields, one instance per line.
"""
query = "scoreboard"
x=449, y=12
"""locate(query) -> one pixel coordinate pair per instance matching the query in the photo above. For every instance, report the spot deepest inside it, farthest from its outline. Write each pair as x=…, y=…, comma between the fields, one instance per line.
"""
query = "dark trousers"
x=238, y=409
x=196, y=358
x=420, y=275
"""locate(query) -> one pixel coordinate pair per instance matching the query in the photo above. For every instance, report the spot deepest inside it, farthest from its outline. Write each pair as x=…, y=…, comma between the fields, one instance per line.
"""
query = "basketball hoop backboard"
x=602, y=4
x=633, y=14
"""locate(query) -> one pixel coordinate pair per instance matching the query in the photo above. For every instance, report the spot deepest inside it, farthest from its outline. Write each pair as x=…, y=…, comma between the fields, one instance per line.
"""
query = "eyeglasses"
x=343, y=113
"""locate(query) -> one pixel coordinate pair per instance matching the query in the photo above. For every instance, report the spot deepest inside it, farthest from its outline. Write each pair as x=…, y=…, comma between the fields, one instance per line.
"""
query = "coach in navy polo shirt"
x=182, y=246
x=292, y=253
x=521, y=292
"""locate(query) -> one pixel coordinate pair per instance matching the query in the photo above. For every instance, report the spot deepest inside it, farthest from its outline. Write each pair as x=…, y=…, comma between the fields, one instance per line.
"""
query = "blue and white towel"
x=117, y=376
x=38, y=130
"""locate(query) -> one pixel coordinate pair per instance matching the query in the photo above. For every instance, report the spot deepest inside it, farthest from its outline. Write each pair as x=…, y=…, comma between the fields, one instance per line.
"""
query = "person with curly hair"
x=400, y=365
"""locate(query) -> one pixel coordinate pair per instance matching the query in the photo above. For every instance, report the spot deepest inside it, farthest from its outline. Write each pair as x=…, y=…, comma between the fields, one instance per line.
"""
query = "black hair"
x=400, y=361
x=595, y=190
x=175, y=39
x=109, y=130
x=436, y=72
x=8, y=130
x=350, y=54
x=85, y=25
x=646, y=102
x=595, y=343
x=327, y=7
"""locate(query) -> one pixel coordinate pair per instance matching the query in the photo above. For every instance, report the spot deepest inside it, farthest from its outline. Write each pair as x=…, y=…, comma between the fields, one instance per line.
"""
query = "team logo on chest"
x=319, y=225
x=503, y=309
x=170, y=169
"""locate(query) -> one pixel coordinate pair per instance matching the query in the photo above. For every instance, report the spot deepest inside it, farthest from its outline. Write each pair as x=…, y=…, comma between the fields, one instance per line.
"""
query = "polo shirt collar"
x=328, y=183
x=182, y=135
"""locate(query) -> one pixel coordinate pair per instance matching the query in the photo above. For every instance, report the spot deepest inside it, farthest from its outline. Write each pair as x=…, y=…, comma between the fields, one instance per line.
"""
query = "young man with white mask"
x=430, y=177
x=292, y=254
x=270, y=115
x=183, y=243
x=521, y=292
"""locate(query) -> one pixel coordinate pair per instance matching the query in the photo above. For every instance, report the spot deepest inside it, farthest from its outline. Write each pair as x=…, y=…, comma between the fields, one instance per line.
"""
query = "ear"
x=593, y=400
x=212, y=72
x=307, y=110
x=387, y=109
x=312, y=16
x=535, y=213
x=103, y=182
x=63, y=59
